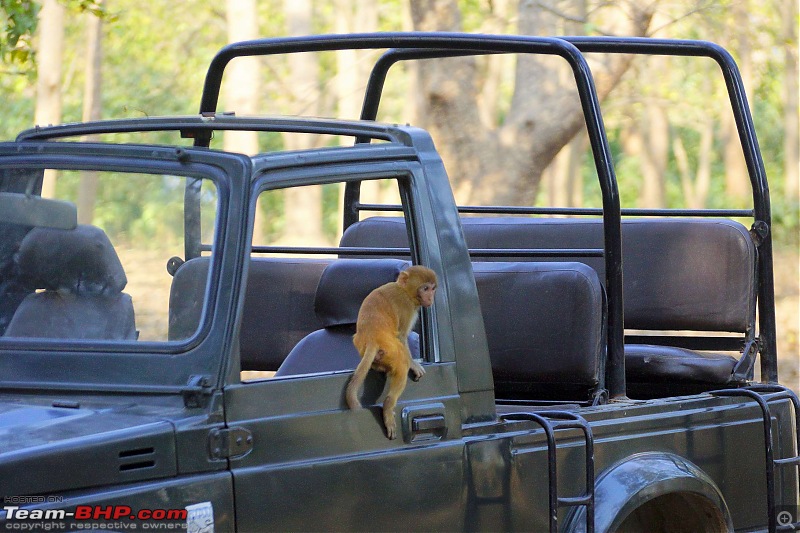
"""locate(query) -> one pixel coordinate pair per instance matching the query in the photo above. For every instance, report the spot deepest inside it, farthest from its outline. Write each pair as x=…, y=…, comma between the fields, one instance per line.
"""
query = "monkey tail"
x=360, y=374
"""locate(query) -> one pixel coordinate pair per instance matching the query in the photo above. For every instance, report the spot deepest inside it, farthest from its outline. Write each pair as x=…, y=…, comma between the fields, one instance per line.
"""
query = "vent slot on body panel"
x=137, y=459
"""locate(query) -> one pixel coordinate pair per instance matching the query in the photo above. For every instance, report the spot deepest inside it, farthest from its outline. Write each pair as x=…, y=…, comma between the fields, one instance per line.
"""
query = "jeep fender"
x=641, y=478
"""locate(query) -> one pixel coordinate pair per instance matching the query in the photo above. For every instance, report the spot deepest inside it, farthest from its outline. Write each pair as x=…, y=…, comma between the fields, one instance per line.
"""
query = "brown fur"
x=384, y=321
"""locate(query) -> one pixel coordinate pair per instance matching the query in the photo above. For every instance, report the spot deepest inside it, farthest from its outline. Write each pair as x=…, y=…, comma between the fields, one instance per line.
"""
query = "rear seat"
x=544, y=325
x=545, y=329
x=342, y=288
x=679, y=274
x=278, y=307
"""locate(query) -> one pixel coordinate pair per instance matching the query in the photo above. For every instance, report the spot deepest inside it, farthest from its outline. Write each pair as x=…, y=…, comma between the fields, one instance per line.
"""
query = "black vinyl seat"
x=278, y=306
x=342, y=288
x=680, y=275
x=545, y=329
x=80, y=279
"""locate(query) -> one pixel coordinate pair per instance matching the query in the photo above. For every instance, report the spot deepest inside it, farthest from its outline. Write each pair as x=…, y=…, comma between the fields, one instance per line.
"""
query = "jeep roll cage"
x=415, y=46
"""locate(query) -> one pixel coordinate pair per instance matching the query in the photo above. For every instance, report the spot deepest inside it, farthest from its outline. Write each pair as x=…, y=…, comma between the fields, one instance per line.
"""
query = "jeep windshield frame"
x=51, y=365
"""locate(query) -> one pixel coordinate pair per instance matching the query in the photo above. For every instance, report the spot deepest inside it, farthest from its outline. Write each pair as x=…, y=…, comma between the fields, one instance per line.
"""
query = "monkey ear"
x=402, y=279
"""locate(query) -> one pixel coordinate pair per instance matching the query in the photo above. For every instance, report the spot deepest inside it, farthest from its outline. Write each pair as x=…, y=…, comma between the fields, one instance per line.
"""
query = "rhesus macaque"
x=384, y=321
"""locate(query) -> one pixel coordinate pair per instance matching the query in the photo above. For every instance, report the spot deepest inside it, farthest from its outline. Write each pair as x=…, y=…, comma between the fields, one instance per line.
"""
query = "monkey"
x=384, y=321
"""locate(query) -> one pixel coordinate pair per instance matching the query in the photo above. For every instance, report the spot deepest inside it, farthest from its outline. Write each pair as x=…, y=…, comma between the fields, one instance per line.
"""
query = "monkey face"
x=419, y=282
x=425, y=294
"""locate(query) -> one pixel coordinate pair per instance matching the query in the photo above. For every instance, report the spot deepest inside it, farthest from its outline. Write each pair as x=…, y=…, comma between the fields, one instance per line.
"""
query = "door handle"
x=428, y=423
x=424, y=422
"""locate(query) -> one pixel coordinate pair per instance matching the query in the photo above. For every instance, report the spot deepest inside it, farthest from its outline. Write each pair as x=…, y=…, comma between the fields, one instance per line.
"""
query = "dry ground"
x=149, y=282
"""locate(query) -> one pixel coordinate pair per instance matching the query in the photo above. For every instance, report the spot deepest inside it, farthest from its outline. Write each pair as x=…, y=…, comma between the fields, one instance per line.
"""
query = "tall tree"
x=92, y=109
x=504, y=164
x=242, y=85
x=696, y=189
x=354, y=16
x=791, y=112
x=737, y=181
x=303, y=205
x=48, y=87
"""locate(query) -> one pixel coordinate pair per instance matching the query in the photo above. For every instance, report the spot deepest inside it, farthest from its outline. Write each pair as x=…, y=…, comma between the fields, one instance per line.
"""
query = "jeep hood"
x=52, y=449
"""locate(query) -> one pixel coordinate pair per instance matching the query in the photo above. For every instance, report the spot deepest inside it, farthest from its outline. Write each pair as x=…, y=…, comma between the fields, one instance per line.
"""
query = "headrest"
x=80, y=260
x=345, y=283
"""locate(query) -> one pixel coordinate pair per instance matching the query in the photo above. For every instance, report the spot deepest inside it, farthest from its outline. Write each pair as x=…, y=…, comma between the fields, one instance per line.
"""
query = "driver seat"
x=79, y=281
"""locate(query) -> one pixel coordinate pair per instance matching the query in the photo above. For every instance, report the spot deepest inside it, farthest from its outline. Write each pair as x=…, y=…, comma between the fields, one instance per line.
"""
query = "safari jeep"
x=586, y=369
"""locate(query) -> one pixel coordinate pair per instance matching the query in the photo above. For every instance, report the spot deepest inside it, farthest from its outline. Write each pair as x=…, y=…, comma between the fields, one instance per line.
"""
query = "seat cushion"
x=82, y=278
x=544, y=327
x=668, y=364
x=80, y=260
x=329, y=350
x=278, y=306
x=345, y=283
x=679, y=273
x=57, y=315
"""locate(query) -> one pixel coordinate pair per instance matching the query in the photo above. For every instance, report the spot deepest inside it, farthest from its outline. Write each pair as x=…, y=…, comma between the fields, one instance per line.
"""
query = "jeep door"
x=313, y=463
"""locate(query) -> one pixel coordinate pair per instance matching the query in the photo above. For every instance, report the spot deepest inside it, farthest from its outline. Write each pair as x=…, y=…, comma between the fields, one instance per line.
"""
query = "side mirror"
x=32, y=210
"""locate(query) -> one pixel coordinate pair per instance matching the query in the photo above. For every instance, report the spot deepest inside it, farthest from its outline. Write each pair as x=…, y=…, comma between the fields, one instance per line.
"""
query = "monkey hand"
x=416, y=370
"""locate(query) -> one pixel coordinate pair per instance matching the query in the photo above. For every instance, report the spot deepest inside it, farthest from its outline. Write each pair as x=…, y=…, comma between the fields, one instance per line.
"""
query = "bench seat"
x=679, y=275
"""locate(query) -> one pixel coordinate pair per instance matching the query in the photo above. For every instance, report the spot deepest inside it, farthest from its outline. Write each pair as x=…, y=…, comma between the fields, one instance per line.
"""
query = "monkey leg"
x=417, y=370
x=397, y=377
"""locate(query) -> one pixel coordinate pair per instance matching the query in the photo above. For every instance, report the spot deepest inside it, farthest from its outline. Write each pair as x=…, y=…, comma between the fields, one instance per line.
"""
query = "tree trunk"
x=304, y=204
x=242, y=75
x=695, y=190
x=48, y=86
x=505, y=164
x=737, y=180
x=791, y=110
x=92, y=110
x=654, y=157
x=242, y=83
x=354, y=16
x=494, y=66
x=703, y=186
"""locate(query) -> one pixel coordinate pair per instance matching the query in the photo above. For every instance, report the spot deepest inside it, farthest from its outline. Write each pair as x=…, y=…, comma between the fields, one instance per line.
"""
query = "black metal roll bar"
x=415, y=46
x=470, y=44
x=752, y=155
x=747, y=135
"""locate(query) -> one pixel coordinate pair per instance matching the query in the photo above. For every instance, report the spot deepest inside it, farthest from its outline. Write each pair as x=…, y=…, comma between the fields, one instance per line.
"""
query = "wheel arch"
x=643, y=478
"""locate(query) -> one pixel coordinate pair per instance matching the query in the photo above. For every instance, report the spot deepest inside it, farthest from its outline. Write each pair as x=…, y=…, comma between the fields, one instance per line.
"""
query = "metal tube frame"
x=470, y=44
x=414, y=46
x=747, y=136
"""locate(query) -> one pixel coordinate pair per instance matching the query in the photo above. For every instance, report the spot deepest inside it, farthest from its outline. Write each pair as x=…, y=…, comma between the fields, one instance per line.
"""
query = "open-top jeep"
x=562, y=390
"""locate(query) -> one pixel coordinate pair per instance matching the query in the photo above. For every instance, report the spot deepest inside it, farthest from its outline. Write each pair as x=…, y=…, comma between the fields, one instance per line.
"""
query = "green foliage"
x=141, y=208
x=21, y=21
x=20, y=24
x=95, y=7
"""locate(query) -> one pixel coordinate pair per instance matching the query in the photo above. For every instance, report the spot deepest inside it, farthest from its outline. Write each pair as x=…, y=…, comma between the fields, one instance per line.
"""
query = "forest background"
x=510, y=129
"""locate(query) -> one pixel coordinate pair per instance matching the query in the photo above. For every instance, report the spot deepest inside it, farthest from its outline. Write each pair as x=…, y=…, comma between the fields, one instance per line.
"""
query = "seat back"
x=544, y=326
x=679, y=274
x=342, y=288
x=81, y=280
x=278, y=306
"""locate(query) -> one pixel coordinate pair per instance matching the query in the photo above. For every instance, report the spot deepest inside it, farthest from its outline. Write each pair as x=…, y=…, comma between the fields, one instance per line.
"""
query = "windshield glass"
x=109, y=278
